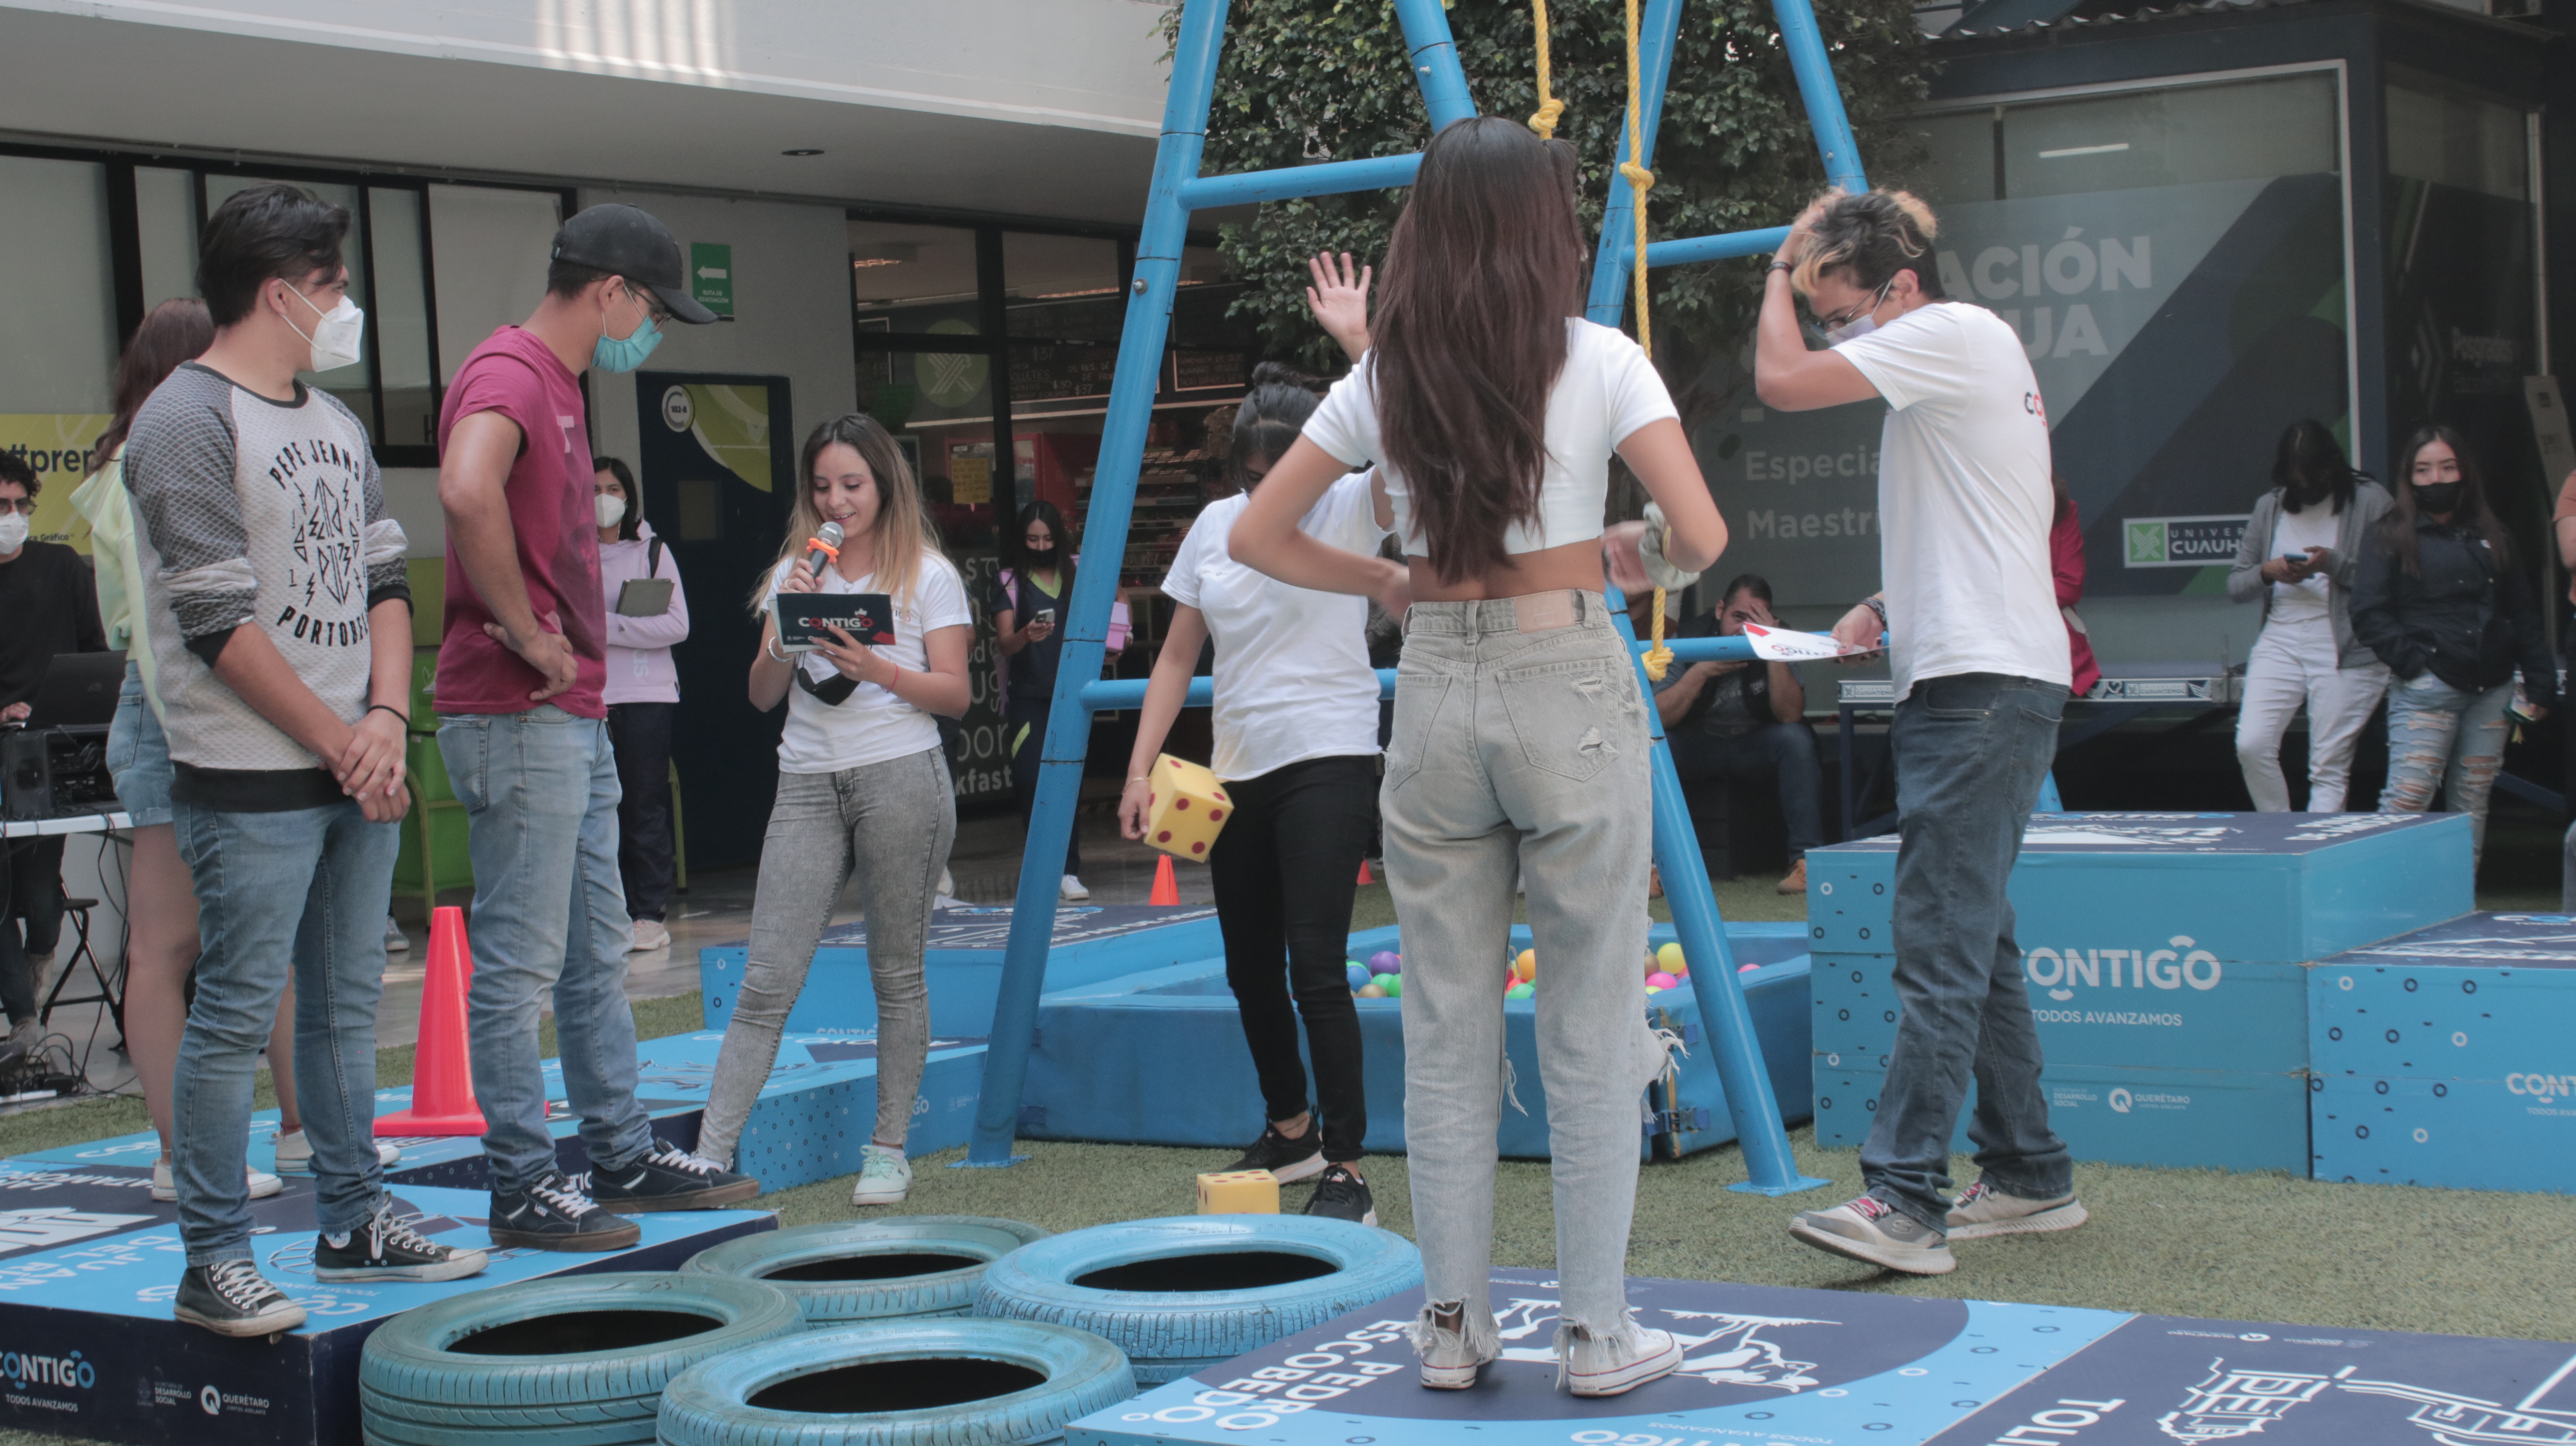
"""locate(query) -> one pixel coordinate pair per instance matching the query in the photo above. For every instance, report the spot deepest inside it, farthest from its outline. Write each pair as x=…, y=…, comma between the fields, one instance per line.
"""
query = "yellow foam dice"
x=1239, y=1192
x=1185, y=809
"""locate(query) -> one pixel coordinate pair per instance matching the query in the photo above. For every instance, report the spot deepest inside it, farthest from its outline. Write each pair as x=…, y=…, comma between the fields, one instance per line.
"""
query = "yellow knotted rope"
x=1658, y=659
x=1549, y=107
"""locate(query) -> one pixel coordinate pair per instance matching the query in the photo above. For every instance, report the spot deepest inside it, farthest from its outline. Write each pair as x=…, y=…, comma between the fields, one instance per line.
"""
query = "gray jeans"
x=891, y=824
x=1521, y=753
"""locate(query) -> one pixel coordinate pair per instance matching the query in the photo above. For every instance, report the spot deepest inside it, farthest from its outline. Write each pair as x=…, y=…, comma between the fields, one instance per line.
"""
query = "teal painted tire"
x=1196, y=1290
x=575, y=1360
x=1050, y=1376
x=844, y=1272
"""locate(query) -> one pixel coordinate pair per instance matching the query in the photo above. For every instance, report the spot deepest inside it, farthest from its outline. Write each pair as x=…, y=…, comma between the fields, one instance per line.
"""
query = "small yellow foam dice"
x=1239, y=1192
x=1185, y=809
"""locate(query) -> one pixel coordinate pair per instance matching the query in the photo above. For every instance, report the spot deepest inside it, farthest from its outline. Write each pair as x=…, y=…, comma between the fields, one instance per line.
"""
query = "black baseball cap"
x=624, y=241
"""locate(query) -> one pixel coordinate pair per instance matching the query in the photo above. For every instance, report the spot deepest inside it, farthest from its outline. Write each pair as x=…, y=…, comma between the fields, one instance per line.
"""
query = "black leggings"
x=640, y=733
x=1284, y=870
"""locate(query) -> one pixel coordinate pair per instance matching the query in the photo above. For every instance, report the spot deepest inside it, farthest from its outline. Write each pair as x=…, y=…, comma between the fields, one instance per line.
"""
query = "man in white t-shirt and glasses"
x=1980, y=661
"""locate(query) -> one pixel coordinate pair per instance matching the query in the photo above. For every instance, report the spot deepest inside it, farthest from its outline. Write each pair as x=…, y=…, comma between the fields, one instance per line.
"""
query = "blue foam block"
x=2252, y=888
x=964, y=962
x=88, y=1264
x=1159, y=1058
x=2514, y=1133
x=2176, y=1118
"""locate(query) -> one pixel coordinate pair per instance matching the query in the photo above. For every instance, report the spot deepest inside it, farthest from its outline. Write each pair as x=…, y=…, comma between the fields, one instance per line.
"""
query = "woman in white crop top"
x=1520, y=739
x=863, y=788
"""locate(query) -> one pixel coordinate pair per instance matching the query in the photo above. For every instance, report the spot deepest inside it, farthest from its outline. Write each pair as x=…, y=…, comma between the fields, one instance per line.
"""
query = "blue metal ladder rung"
x=1178, y=189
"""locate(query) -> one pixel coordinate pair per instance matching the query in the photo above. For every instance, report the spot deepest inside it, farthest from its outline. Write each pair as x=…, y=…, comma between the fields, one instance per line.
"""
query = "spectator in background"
x=643, y=696
x=2302, y=553
x=2441, y=602
x=49, y=607
x=2066, y=561
x=1744, y=720
x=1028, y=601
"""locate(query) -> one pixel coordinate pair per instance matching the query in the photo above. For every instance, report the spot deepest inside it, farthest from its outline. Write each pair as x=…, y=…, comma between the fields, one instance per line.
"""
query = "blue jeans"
x=540, y=794
x=2441, y=737
x=305, y=889
x=1785, y=750
x=1971, y=750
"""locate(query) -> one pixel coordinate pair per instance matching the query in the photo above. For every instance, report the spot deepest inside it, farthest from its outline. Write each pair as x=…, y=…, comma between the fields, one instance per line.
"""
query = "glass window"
x=401, y=317
x=906, y=277
x=1062, y=288
x=56, y=248
x=2237, y=131
x=353, y=384
x=1958, y=157
x=488, y=254
x=165, y=211
x=1199, y=309
x=939, y=405
x=2456, y=140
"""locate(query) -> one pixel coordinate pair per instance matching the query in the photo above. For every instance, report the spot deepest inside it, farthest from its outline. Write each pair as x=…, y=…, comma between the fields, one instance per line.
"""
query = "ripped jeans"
x=2447, y=738
x=1521, y=753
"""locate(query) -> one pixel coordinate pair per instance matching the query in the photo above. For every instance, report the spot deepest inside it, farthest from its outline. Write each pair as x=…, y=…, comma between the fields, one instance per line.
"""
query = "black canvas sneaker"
x=231, y=1298
x=1284, y=1158
x=552, y=1214
x=1341, y=1195
x=386, y=1248
x=663, y=1178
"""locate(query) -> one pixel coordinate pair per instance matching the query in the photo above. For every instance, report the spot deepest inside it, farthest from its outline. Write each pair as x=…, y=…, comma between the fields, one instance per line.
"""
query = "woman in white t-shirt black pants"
x=2301, y=554
x=1979, y=655
x=1296, y=742
x=1491, y=409
x=863, y=783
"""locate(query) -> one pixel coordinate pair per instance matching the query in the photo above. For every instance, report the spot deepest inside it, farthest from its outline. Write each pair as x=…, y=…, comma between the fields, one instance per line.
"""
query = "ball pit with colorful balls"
x=1371, y=991
x=1389, y=986
x=1521, y=991
x=1670, y=959
x=1660, y=980
x=1526, y=966
x=1386, y=961
x=1358, y=973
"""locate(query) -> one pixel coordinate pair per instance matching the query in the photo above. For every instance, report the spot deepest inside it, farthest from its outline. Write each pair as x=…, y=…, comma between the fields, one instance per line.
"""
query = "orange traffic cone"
x=442, y=1080
x=1364, y=873
x=1167, y=889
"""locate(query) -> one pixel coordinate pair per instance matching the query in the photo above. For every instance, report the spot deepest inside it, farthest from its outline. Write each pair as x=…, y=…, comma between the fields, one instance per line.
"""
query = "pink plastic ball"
x=1660, y=980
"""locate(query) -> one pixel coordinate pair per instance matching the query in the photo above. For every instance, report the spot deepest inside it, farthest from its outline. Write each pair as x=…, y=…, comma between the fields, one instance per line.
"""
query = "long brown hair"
x=1482, y=271
x=2398, y=528
x=175, y=331
x=902, y=535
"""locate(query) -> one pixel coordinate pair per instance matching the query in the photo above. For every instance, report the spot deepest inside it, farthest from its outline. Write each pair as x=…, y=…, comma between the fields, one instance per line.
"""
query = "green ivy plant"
x=1327, y=80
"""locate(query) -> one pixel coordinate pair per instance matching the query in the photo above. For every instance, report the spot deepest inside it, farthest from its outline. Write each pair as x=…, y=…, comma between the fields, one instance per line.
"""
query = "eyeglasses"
x=23, y=505
x=1846, y=318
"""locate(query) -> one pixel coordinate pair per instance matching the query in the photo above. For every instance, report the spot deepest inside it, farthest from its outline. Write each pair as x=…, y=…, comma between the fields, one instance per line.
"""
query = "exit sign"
x=711, y=277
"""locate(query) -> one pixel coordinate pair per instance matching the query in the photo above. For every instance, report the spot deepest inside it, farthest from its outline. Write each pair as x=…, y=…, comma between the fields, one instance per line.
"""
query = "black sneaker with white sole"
x=1341, y=1195
x=231, y=1298
x=1284, y=1158
x=387, y=1248
x=664, y=1178
x=553, y=1214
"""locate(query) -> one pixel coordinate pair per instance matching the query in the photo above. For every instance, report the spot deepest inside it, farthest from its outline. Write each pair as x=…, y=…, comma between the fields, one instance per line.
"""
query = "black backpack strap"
x=653, y=558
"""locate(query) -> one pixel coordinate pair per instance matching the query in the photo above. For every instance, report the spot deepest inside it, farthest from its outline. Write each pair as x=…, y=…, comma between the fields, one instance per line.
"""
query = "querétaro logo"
x=24, y=1370
x=2179, y=965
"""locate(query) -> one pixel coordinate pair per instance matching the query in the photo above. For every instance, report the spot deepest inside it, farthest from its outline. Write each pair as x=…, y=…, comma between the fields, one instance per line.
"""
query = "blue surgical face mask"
x=625, y=354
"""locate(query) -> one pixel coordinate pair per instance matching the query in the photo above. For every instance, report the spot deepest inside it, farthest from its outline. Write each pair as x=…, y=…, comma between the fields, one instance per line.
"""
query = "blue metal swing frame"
x=1178, y=189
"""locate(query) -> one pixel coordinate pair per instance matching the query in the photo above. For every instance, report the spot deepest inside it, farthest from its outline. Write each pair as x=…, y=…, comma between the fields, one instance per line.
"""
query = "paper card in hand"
x=1780, y=645
x=868, y=617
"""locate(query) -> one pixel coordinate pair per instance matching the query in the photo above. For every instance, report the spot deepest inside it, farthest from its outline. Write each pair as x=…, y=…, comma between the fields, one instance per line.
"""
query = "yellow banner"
x=57, y=445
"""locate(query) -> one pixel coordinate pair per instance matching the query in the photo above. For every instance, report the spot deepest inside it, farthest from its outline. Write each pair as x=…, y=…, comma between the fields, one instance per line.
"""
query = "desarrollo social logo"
x=23, y=1370
x=2180, y=965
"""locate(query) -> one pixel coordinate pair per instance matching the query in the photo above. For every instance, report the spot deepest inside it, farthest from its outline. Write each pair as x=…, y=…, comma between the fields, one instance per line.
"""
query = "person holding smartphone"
x=647, y=614
x=1027, y=603
x=863, y=787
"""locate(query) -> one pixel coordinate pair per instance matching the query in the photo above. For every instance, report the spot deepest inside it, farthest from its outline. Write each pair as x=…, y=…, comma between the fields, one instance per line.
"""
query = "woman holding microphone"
x=863, y=783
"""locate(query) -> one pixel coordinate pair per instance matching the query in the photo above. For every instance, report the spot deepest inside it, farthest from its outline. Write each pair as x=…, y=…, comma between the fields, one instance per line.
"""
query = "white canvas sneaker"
x=1449, y=1363
x=295, y=1154
x=166, y=1189
x=1615, y=1363
x=884, y=1180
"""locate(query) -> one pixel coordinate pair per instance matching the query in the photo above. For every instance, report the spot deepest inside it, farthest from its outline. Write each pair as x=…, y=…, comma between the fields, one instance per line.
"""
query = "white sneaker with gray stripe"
x=1982, y=1210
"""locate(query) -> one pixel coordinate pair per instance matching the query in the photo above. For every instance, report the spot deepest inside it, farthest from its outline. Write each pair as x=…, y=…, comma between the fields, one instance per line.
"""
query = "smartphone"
x=1044, y=615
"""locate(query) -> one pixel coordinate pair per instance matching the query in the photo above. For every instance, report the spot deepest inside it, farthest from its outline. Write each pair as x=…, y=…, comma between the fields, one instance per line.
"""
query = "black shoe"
x=1284, y=1158
x=389, y=1249
x=231, y=1298
x=552, y=1214
x=1341, y=1195
x=663, y=1178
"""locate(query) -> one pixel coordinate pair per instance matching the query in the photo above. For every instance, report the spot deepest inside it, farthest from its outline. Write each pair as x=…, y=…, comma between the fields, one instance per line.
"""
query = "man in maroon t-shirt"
x=525, y=738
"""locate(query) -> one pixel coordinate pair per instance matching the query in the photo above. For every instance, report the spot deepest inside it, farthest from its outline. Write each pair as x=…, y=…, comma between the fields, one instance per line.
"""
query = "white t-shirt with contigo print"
x=871, y=725
x=1964, y=502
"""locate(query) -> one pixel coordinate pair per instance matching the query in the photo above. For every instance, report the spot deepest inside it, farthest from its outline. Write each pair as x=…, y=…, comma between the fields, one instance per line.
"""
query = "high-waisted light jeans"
x=890, y=825
x=1521, y=753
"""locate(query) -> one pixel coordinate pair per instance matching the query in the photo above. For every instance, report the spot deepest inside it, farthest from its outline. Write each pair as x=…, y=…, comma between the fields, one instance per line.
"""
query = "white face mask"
x=610, y=507
x=13, y=531
x=335, y=336
x=1858, y=326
